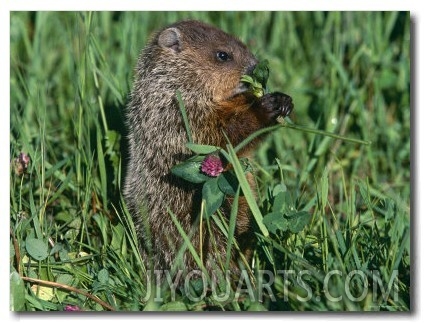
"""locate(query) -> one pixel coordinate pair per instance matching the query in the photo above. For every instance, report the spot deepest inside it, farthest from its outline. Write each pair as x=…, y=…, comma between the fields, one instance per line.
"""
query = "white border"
x=245, y=5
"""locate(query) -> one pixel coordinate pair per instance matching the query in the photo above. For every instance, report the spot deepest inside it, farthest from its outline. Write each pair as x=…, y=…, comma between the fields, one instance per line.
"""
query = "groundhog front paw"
x=275, y=104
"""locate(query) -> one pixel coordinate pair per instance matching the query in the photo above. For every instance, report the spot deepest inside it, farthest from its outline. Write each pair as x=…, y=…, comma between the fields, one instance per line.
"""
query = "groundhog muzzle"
x=205, y=64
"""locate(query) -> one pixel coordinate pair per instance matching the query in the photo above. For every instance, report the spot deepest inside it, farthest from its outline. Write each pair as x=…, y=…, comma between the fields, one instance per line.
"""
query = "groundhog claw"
x=276, y=104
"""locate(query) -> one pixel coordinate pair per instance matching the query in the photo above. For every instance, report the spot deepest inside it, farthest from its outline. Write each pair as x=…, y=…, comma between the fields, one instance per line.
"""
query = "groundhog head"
x=204, y=60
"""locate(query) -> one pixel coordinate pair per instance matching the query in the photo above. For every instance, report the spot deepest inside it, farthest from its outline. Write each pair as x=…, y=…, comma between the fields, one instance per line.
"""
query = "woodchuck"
x=205, y=64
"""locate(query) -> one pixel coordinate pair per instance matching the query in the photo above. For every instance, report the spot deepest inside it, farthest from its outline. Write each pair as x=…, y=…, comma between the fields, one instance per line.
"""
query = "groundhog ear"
x=170, y=38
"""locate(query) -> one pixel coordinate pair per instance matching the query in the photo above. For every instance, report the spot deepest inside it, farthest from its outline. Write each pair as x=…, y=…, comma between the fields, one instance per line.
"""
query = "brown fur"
x=183, y=57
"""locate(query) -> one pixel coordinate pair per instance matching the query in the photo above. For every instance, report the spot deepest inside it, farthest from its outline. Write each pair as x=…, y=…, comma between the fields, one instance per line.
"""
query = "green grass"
x=72, y=241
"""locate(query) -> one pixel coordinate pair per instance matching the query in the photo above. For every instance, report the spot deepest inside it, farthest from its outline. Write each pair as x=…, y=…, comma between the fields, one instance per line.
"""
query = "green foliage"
x=190, y=170
x=257, y=81
x=282, y=217
x=213, y=196
x=17, y=292
x=36, y=248
x=323, y=204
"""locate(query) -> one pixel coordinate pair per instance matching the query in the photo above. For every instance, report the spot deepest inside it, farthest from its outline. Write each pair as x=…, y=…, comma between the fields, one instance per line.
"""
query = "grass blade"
x=184, y=115
x=251, y=201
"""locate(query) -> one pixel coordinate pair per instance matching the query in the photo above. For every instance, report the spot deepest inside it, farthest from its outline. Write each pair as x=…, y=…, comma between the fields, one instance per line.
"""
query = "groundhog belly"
x=205, y=65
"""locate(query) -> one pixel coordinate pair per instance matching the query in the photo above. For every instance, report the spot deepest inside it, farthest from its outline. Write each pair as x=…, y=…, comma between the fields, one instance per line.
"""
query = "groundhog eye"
x=223, y=56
